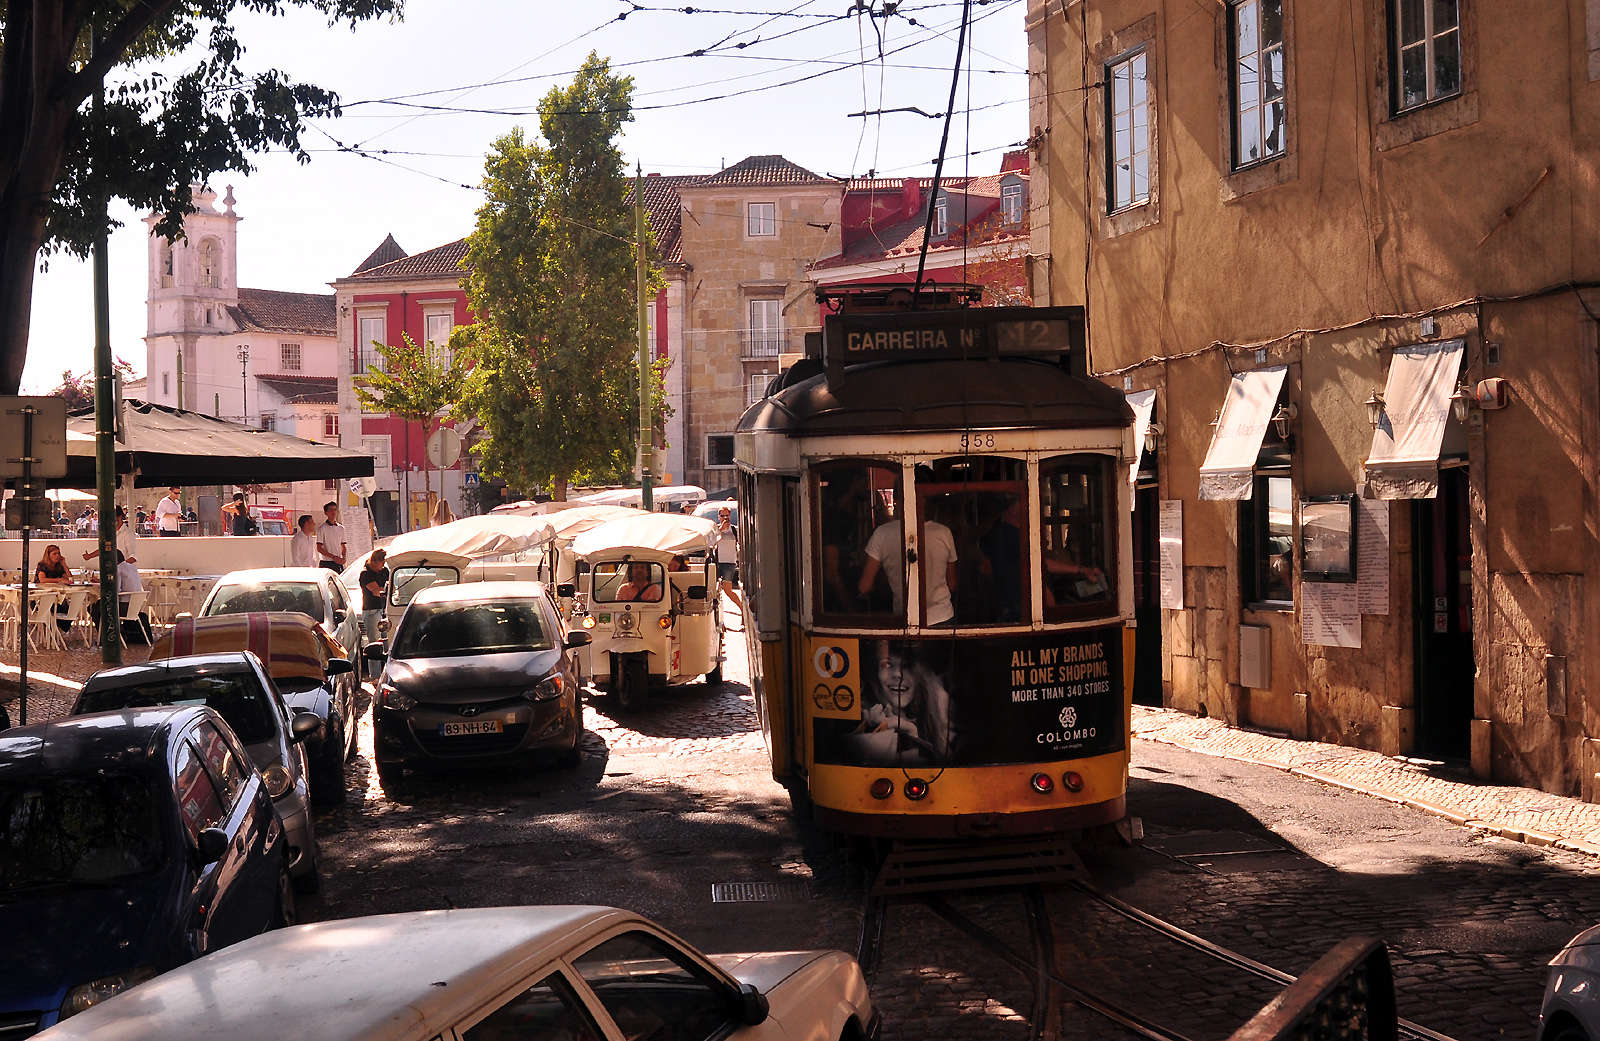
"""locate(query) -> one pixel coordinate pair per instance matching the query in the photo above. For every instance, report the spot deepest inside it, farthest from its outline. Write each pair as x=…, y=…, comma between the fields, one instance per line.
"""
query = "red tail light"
x=882, y=788
x=1043, y=784
x=1073, y=781
x=916, y=788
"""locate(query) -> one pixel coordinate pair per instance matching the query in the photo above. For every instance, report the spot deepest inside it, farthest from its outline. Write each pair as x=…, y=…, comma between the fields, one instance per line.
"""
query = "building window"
x=719, y=450
x=166, y=265
x=1011, y=204
x=1128, y=112
x=761, y=219
x=1427, y=51
x=758, y=388
x=1266, y=543
x=166, y=384
x=370, y=331
x=208, y=316
x=330, y=485
x=941, y=213
x=764, y=338
x=1259, y=112
x=208, y=264
x=288, y=357
x=269, y=421
x=330, y=425
x=378, y=449
x=436, y=333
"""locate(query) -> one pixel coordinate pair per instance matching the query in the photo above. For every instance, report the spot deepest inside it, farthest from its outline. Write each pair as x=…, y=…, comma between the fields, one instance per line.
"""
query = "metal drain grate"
x=758, y=892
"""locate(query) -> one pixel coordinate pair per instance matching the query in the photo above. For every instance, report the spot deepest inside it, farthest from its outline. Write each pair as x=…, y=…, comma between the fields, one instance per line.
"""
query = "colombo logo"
x=1068, y=717
x=832, y=662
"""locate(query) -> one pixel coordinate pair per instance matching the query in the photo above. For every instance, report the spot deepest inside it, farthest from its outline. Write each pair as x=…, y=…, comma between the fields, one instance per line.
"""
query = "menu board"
x=1171, y=535
x=1372, y=555
x=1329, y=615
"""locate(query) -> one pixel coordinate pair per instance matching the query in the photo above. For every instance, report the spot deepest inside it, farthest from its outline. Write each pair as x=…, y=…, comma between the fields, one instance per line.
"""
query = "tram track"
x=1035, y=959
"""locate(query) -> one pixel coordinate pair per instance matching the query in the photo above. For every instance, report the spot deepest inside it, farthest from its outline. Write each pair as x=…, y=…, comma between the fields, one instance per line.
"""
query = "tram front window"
x=973, y=555
x=1075, y=503
x=859, y=513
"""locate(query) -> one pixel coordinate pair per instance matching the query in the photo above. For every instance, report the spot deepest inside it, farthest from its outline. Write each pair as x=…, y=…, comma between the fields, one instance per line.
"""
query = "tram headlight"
x=1043, y=784
x=1073, y=781
x=916, y=788
x=882, y=788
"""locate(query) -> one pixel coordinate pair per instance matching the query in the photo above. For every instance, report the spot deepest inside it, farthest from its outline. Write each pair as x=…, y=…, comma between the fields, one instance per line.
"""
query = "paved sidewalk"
x=1523, y=814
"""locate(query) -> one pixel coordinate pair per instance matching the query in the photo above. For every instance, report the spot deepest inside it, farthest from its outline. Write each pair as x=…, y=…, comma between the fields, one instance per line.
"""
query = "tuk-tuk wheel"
x=632, y=688
x=714, y=677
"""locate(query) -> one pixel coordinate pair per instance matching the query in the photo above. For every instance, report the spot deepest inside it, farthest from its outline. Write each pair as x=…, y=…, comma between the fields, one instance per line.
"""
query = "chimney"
x=910, y=198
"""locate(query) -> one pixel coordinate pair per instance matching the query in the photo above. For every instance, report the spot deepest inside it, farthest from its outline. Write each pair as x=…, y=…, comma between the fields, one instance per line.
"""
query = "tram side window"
x=1075, y=503
x=974, y=555
x=861, y=548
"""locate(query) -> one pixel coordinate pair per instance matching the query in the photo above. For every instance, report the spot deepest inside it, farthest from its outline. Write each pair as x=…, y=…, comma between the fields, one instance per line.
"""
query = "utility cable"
x=938, y=166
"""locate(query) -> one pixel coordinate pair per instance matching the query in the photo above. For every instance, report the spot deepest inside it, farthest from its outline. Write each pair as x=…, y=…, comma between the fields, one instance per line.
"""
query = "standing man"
x=125, y=539
x=727, y=554
x=330, y=538
x=168, y=513
x=303, y=547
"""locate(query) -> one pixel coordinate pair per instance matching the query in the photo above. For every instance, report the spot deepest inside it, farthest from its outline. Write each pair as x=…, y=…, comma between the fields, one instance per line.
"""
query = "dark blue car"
x=130, y=842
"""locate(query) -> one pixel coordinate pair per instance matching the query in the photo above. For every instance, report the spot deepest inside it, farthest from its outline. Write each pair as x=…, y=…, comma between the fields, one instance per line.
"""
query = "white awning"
x=1231, y=460
x=1404, y=461
x=1143, y=403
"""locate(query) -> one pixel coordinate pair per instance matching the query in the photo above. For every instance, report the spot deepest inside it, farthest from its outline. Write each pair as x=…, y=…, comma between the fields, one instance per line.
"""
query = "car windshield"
x=238, y=697
x=430, y=630
x=244, y=597
x=79, y=828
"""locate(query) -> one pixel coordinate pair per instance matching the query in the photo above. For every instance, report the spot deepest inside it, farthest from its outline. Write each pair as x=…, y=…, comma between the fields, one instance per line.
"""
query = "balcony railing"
x=754, y=345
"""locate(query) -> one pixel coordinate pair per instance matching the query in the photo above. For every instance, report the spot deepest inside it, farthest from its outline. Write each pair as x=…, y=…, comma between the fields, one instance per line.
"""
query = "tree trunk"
x=560, y=489
x=24, y=202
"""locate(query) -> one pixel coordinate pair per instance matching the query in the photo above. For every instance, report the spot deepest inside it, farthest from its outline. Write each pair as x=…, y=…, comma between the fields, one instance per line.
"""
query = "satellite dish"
x=444, y=448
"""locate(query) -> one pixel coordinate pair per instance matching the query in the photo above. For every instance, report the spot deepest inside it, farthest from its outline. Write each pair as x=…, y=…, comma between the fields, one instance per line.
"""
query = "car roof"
x=390, y=976
x=187, y=665
x=276, y=574
x=468, y=592
x=132, y=739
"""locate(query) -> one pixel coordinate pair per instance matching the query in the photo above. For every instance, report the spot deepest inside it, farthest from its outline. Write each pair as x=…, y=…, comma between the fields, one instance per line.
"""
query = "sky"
x=418, y=168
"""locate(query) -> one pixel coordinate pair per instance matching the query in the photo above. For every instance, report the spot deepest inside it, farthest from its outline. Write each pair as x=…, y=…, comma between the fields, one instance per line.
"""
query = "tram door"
x=1445, y=669
x=793, y=567
x=1147, y=596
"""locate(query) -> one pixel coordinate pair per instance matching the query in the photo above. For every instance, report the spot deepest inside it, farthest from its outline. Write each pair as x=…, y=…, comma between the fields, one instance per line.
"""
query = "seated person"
x=677, y=564
x=639, y=587
x=134, y=630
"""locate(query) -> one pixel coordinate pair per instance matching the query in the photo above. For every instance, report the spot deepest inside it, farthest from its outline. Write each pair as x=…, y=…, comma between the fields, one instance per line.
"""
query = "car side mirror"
x=338, y=616
x=339, y=666
x=303, y=725
x=578, y=638
x=566, y=589
x=753, y=1006
x=212, y=844
x=697, y=592
x=374, y=652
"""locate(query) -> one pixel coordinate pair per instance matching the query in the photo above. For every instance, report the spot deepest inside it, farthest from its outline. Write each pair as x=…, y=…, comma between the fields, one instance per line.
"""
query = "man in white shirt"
x=303, y=547
x=168, y=513
x=125, y=539
x=937, y=557
x=330, y=539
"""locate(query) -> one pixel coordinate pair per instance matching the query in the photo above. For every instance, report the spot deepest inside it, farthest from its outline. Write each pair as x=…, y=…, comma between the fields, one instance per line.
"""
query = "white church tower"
x=193, y=286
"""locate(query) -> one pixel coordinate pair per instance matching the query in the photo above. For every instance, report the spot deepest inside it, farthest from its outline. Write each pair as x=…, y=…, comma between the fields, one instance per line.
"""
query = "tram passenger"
x=639, y=587
x=885, y=554
x=905, y=718
x=841, y=539
x=1002, y=559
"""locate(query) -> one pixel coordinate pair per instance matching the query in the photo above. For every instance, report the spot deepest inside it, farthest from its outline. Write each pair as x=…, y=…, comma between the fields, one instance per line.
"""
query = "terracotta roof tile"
x=763, y=171
x=387, y=252
x=664, y=209
x=439, y=262
x=269, y=310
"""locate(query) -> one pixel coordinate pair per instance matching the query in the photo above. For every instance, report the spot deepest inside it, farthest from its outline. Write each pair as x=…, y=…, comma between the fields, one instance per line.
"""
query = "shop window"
x=1128, y=137
x=1266, y=542
x=1259, y=105
x=973, y=556
x=1425, y=52
x=1077, y=498
x=860, y=565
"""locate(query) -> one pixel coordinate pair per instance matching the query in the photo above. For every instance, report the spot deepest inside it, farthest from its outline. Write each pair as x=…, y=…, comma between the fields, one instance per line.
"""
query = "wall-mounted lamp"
x=1281, y=418
x=1460, y=402
x=1152, y=436
x=1375, y=409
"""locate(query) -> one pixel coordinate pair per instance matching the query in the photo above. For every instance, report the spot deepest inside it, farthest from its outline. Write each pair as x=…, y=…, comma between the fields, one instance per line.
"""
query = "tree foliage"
x=551, y=276
x=418, y=384
x=61, y=156
x=79, y=389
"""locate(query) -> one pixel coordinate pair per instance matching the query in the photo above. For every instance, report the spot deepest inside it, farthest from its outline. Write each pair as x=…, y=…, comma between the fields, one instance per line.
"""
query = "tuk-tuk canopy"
x=569, y=524
x=288, y=643
x=672, y=493
x=492, y=535
x=648, y=536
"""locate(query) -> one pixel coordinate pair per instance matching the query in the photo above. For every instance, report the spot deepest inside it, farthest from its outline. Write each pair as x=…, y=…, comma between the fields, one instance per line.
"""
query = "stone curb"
x=1525, y=835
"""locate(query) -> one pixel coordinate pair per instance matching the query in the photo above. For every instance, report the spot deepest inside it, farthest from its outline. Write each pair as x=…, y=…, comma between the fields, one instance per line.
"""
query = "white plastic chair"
x=42, y=620
x=77, y=614
x=10, y=618
x=136, y=603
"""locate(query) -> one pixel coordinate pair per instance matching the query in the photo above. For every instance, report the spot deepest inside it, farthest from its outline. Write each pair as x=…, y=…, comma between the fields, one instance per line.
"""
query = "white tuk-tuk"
x=651, y=626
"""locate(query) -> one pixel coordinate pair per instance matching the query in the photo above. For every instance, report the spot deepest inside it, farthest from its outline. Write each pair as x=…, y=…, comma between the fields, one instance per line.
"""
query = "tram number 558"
x=973, y=442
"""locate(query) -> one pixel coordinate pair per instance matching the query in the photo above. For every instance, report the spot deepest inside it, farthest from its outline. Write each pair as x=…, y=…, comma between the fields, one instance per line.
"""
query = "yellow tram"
x=937, y=562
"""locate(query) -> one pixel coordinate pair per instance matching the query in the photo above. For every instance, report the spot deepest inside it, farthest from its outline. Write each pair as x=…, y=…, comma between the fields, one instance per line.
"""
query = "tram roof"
x=887, y=397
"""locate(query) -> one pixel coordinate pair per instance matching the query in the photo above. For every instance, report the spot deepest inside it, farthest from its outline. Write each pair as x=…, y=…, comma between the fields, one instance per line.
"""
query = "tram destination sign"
x=967, y=334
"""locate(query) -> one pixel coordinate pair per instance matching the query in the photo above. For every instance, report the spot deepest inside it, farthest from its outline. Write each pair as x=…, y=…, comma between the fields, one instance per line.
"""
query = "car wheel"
x=311, y=881
x=1571, y=1032
x=392, y=777
x=329, y=788
x=632, y=688
x=287, y=916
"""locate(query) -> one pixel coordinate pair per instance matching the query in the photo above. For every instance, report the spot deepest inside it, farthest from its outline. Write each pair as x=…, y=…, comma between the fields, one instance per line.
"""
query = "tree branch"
x=115, y=44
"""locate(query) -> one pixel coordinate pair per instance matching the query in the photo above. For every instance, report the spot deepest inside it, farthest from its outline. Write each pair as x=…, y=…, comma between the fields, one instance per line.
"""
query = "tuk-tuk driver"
x=639, y=587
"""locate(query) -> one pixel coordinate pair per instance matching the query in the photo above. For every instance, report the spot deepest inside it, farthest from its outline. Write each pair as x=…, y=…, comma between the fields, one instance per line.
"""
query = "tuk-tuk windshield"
x=617, y=581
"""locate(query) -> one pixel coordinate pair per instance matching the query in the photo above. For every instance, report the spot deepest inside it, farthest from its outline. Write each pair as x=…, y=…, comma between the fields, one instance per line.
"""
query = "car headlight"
x=392, y=697
x=279, y=780
x=549, y=688
x=87, y=995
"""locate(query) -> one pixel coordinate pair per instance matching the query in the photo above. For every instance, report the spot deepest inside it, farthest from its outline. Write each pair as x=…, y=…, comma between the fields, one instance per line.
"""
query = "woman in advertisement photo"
x=905, y=709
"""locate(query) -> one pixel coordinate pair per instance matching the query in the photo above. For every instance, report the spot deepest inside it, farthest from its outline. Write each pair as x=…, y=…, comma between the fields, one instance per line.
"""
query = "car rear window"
x=77, y=828
x=238, y=698
x=434, y=630
x=244, y=597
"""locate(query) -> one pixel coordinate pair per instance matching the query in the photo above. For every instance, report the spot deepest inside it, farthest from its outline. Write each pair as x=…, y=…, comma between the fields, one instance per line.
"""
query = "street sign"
x=29, y=508
x=470, y=478
x=49, y=416
x=444, y=448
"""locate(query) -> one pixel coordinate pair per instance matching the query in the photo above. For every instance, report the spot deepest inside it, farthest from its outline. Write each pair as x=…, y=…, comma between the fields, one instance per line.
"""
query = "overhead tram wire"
x=938, y=166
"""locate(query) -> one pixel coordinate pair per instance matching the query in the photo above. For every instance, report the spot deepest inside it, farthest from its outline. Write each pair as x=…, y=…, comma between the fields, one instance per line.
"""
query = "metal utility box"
x=1255, y=657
